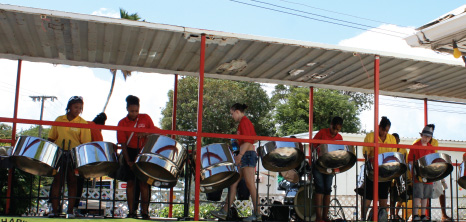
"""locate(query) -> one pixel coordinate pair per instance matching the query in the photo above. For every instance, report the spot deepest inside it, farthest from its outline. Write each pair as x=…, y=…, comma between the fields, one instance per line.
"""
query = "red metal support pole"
x=175, y=102
x=425, y=112
x=199, y=130
x=311, y=117
x=13, y=137
x=376, y=137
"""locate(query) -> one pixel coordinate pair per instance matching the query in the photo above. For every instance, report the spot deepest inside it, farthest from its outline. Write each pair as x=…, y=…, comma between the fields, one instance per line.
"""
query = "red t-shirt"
x=96, y=134
x=245, y=128
x=324, y=134
x=143, y=121
x=419, y=153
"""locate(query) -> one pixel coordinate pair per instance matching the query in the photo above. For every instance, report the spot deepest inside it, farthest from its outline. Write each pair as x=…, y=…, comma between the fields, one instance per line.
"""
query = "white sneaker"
x=222, y=214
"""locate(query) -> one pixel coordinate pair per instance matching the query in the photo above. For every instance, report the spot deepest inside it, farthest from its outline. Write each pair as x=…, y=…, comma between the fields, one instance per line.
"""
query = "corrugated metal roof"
x=92, y=41
x=439, y=34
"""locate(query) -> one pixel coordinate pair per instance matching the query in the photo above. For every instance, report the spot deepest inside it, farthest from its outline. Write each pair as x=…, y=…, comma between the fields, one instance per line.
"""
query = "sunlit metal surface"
x=56, y=37
x=333, y=158
x=218, y=169
x=36, y=156
x=160, y=162
x=433, y=167
x=391, y=165
x=280, y=156
x=95, y=159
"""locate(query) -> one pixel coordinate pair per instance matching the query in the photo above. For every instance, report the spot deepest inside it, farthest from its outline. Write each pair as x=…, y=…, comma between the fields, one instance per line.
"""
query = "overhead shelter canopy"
x=440, y=33
x=84, y=40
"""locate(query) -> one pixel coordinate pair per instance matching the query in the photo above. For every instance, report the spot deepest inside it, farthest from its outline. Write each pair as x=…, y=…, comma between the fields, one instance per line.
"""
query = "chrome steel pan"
x=433, y=167
x=160, y=162
x=391, y=165
x=95, y=159
x=5, y=153
x=36, y=156
x=333, y=158
x=280, y=156
x=218, y=169
x=462, y=176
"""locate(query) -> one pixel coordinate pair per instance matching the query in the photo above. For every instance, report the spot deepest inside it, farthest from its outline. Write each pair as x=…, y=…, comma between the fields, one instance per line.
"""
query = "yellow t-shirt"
x=390, y=139
x=77, y=136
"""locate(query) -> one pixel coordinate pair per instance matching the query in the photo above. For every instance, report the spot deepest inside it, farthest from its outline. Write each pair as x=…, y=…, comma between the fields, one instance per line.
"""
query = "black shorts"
x=383, y=189
x=132, y=153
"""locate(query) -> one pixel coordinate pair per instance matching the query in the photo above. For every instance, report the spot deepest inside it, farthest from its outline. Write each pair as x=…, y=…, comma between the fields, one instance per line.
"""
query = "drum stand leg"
x=187, y=184
x=38, y=195
x=257, y=211
x=457, y=196
x=357, y=212
x=113, y=198
x=62, y=182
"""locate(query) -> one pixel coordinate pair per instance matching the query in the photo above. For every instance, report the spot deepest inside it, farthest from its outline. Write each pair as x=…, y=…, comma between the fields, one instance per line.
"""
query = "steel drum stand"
x=357, y=205
x=257, y=185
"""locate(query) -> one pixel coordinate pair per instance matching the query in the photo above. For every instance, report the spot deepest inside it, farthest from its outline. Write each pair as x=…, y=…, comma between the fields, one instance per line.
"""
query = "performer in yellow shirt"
x=385, y=138
x=67, y=138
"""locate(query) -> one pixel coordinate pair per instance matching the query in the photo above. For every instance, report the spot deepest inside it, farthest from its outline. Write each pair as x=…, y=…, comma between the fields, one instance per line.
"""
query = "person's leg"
x=72, y=189
x=130, y=196
x=328, y=181
x=423, y=206
x=248, y=174
x=79, y=189
x=55, y=193
x=319, y=192
x=144, y=188
x=365, y=206
x=318, y=202
x=416, y=203
x=231, y=197
x=443, y=206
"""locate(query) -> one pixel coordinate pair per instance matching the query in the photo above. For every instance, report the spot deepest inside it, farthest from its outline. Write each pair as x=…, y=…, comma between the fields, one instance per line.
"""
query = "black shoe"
x=145, y=216
x=131, y=215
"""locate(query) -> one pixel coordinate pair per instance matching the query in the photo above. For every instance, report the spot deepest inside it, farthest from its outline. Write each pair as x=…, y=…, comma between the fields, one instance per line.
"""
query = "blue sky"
x=230, y=16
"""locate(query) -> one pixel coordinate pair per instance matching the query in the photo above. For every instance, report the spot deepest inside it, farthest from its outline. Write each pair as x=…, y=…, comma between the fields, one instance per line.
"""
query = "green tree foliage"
x=219, y=96
x=5, y=133
x=34, y=131
x=292, y=109
x=125, y=15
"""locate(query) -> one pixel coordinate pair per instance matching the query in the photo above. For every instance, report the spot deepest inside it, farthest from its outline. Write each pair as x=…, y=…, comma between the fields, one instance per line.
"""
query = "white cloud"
x=107, y=13
x=407, y=115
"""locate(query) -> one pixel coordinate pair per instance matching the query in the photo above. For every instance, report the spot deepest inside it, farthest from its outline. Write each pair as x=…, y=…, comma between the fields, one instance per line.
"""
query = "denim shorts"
x=249, y=159
x=322, y=182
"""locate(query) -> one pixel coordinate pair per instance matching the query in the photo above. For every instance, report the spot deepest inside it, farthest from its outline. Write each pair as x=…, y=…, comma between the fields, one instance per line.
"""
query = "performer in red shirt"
x=247, y=159
x=422, y=191
x=131, y=144
x=323, y=182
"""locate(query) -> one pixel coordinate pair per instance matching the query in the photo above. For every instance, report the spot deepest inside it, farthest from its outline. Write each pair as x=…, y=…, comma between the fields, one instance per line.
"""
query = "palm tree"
x=124, y=15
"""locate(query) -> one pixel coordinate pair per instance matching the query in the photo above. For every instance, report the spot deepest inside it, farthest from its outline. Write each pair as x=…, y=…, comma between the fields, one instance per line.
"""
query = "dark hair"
x=431, y=126
x=239, y=106
x=100, y=119
x=73, y=100
x=132, y=100
x=337, y=121
x=385, y=122
x=396, y=135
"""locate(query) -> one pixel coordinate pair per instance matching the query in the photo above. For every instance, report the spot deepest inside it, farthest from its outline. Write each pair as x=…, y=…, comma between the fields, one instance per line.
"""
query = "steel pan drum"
x=302, y=203
x=95, y=159
x=334, y=158
x=218, y=169
x=280, y=156
x=462, y=176
x=391, y=165
x=433, y=167
x=36, y=156
x=160, y=162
